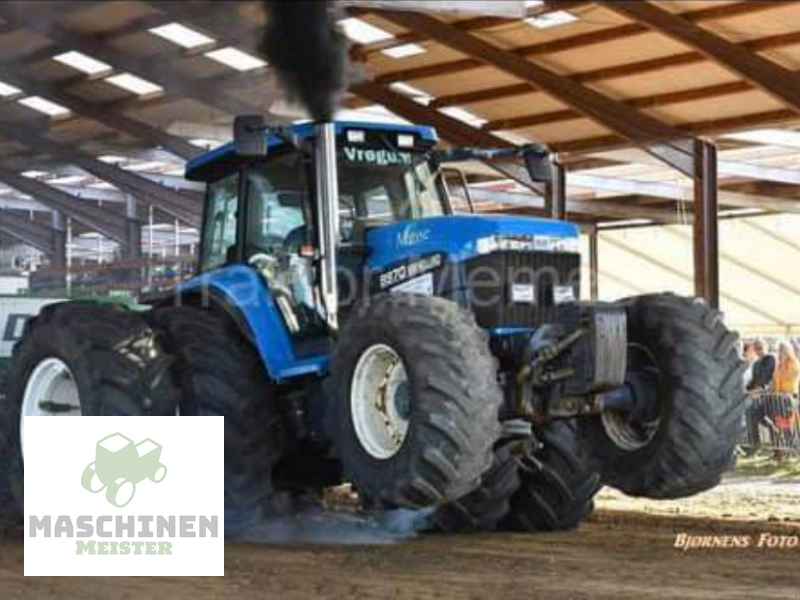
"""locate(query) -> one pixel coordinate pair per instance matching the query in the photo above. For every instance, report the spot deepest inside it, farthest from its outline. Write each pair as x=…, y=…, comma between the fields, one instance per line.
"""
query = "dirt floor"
x=615, y=555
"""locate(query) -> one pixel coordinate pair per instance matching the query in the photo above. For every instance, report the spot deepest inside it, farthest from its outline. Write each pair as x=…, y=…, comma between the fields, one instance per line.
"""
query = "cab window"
x=219, y=237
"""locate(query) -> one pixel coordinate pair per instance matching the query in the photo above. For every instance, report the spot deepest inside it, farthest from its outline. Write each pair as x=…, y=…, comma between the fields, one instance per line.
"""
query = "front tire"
x=557, y=483
x=483, y=508
x=81, y=358
x=695, y=421
x=415, y=401
x=221, y=374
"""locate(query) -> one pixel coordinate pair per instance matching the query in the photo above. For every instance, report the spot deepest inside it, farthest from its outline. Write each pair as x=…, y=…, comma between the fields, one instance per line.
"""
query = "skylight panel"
x=551, y=19
x=362, y=32
x=404, y=51
x=181, y=35
x=82, y=62
x=112, y=159
x=45, y=106
x=7, y=90
x=132, y=83
x=236, y=59
x=417, y=94
x=463, y=115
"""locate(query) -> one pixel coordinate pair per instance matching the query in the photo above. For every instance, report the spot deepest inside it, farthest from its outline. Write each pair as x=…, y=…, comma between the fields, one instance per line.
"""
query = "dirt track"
x=617, y=555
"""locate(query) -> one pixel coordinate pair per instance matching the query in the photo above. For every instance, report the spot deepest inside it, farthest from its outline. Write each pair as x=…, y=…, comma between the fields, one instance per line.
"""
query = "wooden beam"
x=643, y=102
x=612, y=209
x=173, y=202
x=583, y=41
x=27, y=231
x=681, y=194
x=712, y=126
x=452, y=130
x=770, y=77
x=480, y=23
x=639, y=128
x=648, y=66
x=109, y=117
x=108, y=222
x=153, y=69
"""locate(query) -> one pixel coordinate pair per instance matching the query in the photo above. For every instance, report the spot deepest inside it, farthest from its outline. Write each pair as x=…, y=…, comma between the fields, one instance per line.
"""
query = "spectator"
x=787, y=372
x=749, y=356
x=763, y=368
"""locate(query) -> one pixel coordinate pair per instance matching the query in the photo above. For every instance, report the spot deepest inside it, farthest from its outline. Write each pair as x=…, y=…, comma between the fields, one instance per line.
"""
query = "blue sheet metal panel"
x=458, y=236
x=248, y=291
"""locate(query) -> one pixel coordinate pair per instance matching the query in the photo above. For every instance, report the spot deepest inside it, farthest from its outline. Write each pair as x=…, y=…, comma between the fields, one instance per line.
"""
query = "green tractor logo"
x=120, y=465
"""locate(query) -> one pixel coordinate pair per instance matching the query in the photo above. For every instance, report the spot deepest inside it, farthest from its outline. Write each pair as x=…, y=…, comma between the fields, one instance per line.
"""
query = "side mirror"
x=250, y=135
x=538, y=163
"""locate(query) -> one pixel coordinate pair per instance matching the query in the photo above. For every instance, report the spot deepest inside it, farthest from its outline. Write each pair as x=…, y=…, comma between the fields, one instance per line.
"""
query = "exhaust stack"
x=327, y=215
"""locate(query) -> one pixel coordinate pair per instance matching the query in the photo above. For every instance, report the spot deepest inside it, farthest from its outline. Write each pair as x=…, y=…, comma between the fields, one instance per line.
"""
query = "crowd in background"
x=772, y=368
x=773, y=405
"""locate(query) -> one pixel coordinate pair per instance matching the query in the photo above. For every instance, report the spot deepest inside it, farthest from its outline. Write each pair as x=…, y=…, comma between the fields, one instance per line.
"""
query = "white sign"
x=125, y=496
x=422, y=285
x=523, y=293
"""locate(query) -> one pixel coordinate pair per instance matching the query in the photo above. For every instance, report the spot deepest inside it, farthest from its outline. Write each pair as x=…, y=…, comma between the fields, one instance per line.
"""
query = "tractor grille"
x=492, y=277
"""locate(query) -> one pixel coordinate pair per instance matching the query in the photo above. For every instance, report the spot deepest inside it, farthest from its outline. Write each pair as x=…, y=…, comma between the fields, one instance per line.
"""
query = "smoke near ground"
x=301, y=42
x=339, y=527
x=334, y=518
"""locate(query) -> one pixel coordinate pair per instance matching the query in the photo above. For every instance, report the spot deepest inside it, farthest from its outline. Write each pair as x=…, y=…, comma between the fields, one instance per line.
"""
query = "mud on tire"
x=453, y=409
x=557, y=483
x=220, y=373
x=701, y=396
x=118, y=365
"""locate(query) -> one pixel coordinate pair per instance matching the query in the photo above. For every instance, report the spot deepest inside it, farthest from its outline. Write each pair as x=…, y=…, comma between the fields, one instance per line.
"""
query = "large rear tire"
x=557, y=483
x=415, y=401
x=696, y=416
x=80, y=358
x=221, y=374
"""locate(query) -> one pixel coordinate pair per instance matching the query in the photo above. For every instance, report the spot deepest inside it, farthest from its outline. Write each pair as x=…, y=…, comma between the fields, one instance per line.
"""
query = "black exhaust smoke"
x=309, y=54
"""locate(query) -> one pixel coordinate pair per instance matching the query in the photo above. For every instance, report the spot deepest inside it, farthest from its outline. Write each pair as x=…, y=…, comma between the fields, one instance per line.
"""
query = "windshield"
x=385, y=186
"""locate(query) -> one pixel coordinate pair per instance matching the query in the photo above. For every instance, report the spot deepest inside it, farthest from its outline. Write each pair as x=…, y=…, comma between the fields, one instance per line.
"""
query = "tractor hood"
x=460, y=237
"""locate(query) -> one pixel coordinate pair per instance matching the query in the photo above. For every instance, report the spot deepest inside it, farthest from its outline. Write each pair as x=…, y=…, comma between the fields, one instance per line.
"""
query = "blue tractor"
x=351, y=328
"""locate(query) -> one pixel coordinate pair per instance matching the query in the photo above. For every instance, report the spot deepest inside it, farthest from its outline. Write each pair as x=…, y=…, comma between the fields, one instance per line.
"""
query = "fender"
x=244, y=295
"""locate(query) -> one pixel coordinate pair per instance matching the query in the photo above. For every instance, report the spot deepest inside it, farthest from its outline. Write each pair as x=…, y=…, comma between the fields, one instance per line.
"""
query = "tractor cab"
x=262, y=208
x=371, y=206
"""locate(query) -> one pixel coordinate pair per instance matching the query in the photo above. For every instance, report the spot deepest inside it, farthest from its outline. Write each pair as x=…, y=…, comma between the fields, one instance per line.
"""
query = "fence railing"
x=772, y=422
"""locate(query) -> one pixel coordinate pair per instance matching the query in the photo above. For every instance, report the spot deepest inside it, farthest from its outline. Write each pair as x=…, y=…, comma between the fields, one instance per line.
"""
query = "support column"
x=706, y=223
x=58, y=260
x=555, y=201
x=133, y=230
x=594, y=264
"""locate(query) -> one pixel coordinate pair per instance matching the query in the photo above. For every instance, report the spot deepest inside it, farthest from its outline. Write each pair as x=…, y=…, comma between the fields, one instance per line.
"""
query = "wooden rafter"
x=108, y=222
x=580, y=41
x=153, y=69
x=709, y=127
x=768, y=76
x=173, y=202
x=643, y=67
x=110, y=117
x=27, y=231
x=656, y=137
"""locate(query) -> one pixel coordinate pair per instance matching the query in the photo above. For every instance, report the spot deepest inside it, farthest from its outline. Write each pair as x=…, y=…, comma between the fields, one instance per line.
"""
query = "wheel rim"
x=51, y=391
x=628, y=433
x=380, y=401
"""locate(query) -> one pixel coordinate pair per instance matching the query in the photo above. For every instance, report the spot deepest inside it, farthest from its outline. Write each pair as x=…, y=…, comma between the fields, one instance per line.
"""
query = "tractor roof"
x=222, y=160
